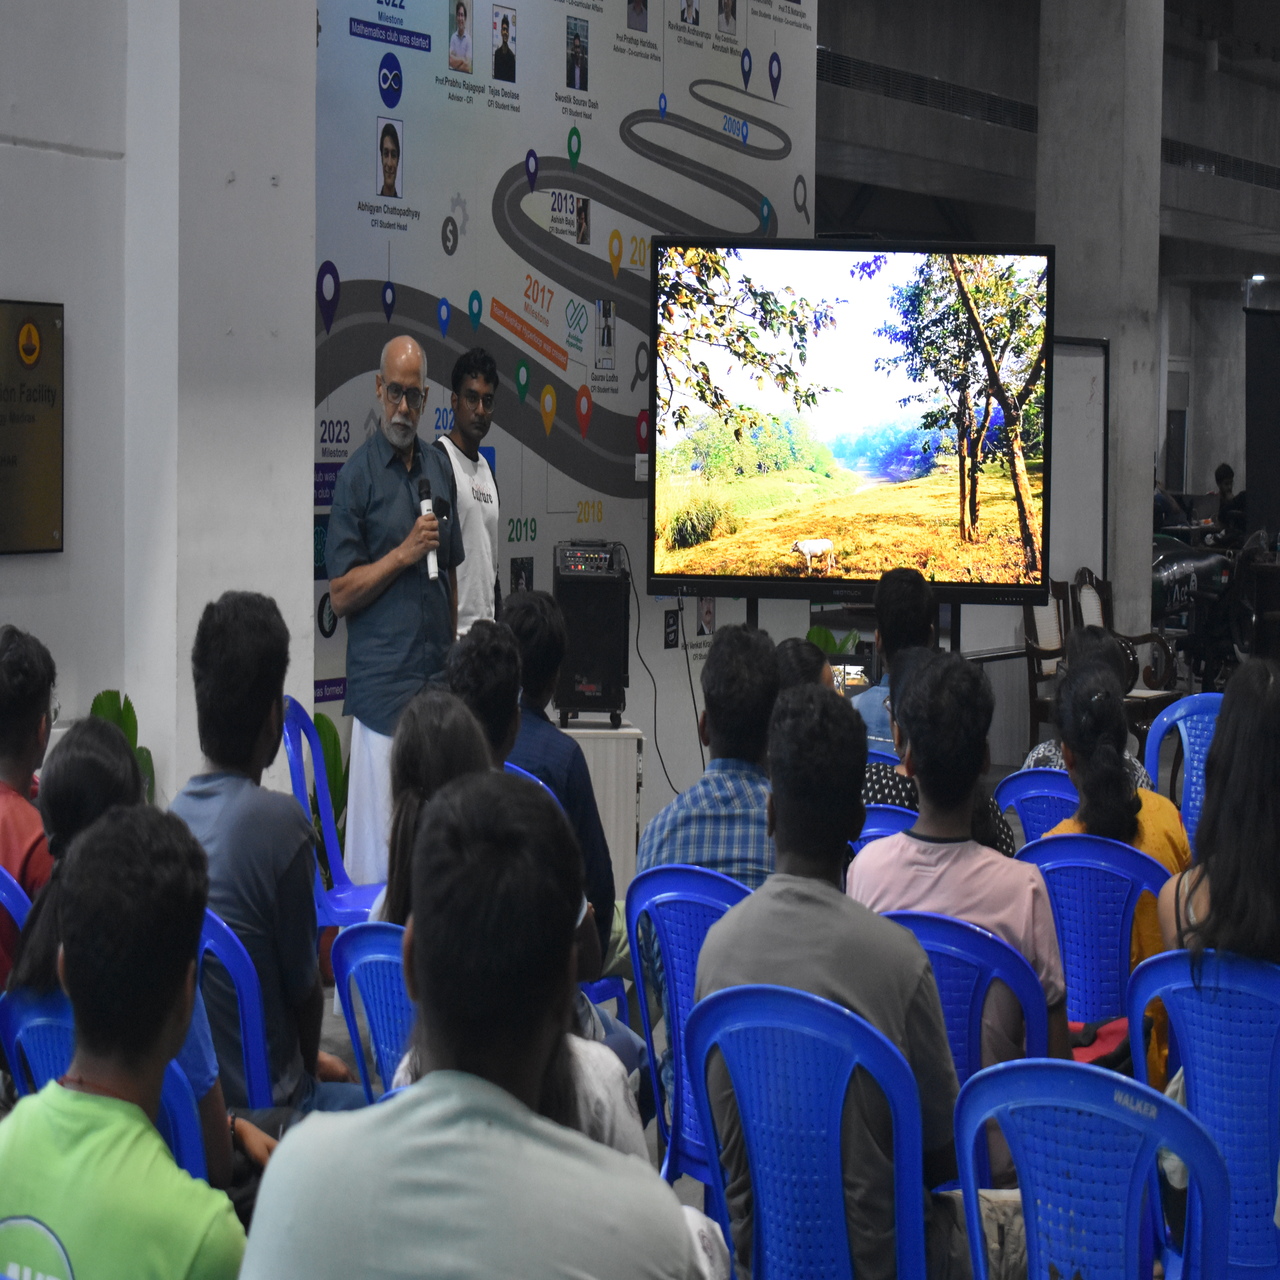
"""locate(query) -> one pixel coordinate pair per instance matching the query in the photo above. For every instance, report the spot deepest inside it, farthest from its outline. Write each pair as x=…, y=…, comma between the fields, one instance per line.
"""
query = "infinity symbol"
x=389, y=79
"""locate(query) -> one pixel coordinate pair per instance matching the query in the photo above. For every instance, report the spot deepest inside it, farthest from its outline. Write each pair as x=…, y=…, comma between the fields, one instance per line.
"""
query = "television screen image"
x=825, y=412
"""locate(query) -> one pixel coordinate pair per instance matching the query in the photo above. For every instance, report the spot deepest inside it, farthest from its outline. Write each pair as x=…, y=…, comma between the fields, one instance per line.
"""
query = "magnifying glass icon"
x=801, y=196
x=642, y=364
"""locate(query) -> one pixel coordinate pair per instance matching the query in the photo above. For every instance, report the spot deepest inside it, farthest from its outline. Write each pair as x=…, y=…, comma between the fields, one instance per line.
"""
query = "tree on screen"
x=705, y=307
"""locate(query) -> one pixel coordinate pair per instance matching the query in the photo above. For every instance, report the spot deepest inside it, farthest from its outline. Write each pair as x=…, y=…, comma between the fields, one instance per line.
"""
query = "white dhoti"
x=368, y=805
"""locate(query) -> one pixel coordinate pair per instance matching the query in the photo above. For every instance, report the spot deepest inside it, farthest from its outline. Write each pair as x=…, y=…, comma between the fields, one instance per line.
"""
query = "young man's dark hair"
x=238, y=662
x=739, y=688
x=476, y=363
x=538, y=626
x=483, y=669
x=27, y=675
x=800, y=661
x=131, y=902
x=817, y=762
x=904, y=611
x=1223, y=474
x=497, y=888
x=945, y=712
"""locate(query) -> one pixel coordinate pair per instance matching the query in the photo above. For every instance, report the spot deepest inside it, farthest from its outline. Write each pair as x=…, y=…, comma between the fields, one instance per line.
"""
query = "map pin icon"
x=328, y=290
x=475, y=308
x=642, y=430
x=531, y=168
x=662, y=106
x=388, y=299
x=775, y=72
x=615, y=250
x=744, y=133
x=522, y=379
x=582, y=407
x=547, y=403
x=746, y=68
x=443, y=312
x=575, y=147
x=765, y=211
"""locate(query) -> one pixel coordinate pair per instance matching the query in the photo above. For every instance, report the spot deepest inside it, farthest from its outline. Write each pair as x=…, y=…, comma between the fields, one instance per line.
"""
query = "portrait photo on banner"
x=390, y=177
x=575, y=42
x=459, y=12
x=504, y=43
x=637, y=15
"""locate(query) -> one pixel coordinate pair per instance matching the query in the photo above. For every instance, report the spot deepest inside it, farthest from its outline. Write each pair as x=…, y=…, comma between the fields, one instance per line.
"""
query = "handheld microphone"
x=425, y=508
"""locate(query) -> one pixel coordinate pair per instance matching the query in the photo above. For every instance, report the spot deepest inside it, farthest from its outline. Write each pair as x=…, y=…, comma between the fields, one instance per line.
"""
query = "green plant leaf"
x=148, y=770
x=823, y=637
x=106, y=706
x=849, y=643
x=129, y=722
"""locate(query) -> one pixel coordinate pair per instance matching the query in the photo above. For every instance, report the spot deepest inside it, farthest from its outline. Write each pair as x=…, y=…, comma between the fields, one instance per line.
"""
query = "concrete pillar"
x=1098, y=201
x=1216, y=418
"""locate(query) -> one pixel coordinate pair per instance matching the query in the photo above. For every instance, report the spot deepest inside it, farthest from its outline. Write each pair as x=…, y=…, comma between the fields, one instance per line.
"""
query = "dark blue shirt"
x=397, y=643
x=556, y=759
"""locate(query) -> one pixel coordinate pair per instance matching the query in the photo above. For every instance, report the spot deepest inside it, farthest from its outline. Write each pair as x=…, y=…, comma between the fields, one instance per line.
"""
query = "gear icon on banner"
x=454, y=205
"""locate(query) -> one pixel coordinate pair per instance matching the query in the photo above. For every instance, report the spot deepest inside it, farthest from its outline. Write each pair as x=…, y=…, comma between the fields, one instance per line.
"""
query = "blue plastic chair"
x=1094, y=885
x=346, y=903
x=883, y=820
x=218, y=938
x=516, y=771
x=681, y=903
x=1225, y=1014
x=13, y=898
x=605, y=989
x=38, y=1034
x=1196, y=717
x=1084, y=1141
x=882, y=757
x=1041, y=798
x=372, y=954
x=790, y=1056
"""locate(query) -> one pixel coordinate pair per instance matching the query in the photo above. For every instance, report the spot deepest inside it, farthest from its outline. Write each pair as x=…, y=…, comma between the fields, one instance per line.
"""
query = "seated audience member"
x=469, y=1179
x=945, y=710
x=800, y=661
x=483, y=669
x=720, y=821
x=1089, y=647
x=890, y=784
x=92, y=769
x=904, y=620
x=553, y=756
x=261, y=858
x=798, y=930
x=437, y=739
x=27, y=674
x=87, y=1185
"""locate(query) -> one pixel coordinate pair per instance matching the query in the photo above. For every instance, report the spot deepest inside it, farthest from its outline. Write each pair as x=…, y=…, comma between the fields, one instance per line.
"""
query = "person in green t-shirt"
x=88, y=1188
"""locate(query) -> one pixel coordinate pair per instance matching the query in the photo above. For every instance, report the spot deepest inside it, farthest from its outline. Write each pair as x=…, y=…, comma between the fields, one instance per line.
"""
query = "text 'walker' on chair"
x=1041, y=798
x=789, y=1057
x=1084, y=1142
x=1195, y=717
x=346, y=903
x=883, y=820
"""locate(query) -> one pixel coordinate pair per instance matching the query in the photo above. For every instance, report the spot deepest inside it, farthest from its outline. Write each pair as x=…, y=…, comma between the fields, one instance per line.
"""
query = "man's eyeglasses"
x=412, y=396
x=474, y=399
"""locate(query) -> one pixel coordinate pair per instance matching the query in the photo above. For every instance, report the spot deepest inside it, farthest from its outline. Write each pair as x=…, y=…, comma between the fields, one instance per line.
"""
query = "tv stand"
x=753, y=612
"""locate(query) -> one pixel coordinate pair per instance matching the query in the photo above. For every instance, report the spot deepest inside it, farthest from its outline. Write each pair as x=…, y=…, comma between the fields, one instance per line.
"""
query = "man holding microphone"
x=392, y=553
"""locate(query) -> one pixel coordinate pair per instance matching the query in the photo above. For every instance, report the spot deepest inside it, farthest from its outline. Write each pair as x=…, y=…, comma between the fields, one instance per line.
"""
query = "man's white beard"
x=399, y=432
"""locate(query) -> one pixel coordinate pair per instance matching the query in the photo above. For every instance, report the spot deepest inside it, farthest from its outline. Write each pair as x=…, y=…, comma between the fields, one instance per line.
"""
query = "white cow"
x=811, y=548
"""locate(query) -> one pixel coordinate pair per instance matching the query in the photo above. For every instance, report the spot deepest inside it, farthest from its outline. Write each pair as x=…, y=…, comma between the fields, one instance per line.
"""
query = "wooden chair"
x=1044, y=629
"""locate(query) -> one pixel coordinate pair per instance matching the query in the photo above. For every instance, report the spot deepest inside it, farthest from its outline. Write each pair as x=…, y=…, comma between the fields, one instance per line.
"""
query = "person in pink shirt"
x=27, y=674
x=940, y=724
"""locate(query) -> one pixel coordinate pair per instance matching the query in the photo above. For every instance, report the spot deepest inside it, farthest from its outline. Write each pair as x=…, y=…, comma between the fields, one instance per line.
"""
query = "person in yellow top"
x=1090, y=712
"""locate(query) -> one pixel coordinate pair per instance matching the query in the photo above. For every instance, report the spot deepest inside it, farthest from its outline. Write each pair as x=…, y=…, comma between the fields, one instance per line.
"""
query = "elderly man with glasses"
x=393, y=577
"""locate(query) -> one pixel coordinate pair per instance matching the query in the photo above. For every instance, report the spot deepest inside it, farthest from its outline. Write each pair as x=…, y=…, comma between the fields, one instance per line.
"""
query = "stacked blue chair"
x=516, y=771
x=371, y=954
x=882, y=757
x=1084, y=1142
x=681, y=903
x=605, y=989
x=217, y=938
x=1225, y=1014
x=346, y=903
x=883, y=820
x=790, y=1056
x=13, y=899
x=179, y=1122
x=1041, y=798
x=1196, y=717
x=1094, y=885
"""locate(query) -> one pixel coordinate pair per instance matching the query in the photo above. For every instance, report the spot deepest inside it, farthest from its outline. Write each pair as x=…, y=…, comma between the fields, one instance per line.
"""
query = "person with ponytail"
x=1090, y=714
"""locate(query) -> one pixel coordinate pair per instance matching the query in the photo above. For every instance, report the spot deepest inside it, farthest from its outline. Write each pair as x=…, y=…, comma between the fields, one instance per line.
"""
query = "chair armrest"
x=1169, y=663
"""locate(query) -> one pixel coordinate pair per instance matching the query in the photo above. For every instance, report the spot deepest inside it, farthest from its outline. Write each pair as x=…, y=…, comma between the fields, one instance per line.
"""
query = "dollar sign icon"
x=449, y=236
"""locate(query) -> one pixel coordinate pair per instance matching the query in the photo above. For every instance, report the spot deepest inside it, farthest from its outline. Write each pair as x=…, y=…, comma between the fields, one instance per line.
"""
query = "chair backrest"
x=1196, y=717
x=1094, y=885
x=38, y=1033
x=789, y=1056
x=179, y=1122
x=681, y=903
x=297, y=726
x=218, y=938
x=13, y=898
x=1045, y=627
x=1091, y=601
x=605, y=989
x=881, y=757
x=883, y=820
x=517, y=771
x=1225, y=1015
x=372, y=955
x=1084, y=1141
x=1041, y=798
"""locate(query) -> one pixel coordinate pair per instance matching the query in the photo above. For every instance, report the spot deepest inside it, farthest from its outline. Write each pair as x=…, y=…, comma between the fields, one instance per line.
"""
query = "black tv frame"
x=843, y=590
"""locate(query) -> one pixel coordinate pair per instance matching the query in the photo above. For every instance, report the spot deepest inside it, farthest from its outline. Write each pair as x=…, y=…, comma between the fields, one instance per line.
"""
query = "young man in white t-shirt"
x=475, y=383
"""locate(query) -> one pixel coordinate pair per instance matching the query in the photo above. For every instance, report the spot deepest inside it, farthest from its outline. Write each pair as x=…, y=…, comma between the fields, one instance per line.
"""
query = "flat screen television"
x=823, y=411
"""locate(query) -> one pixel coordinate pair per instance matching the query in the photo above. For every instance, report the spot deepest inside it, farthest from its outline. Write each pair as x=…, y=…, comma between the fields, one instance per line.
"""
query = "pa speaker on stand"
x=592, y=588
